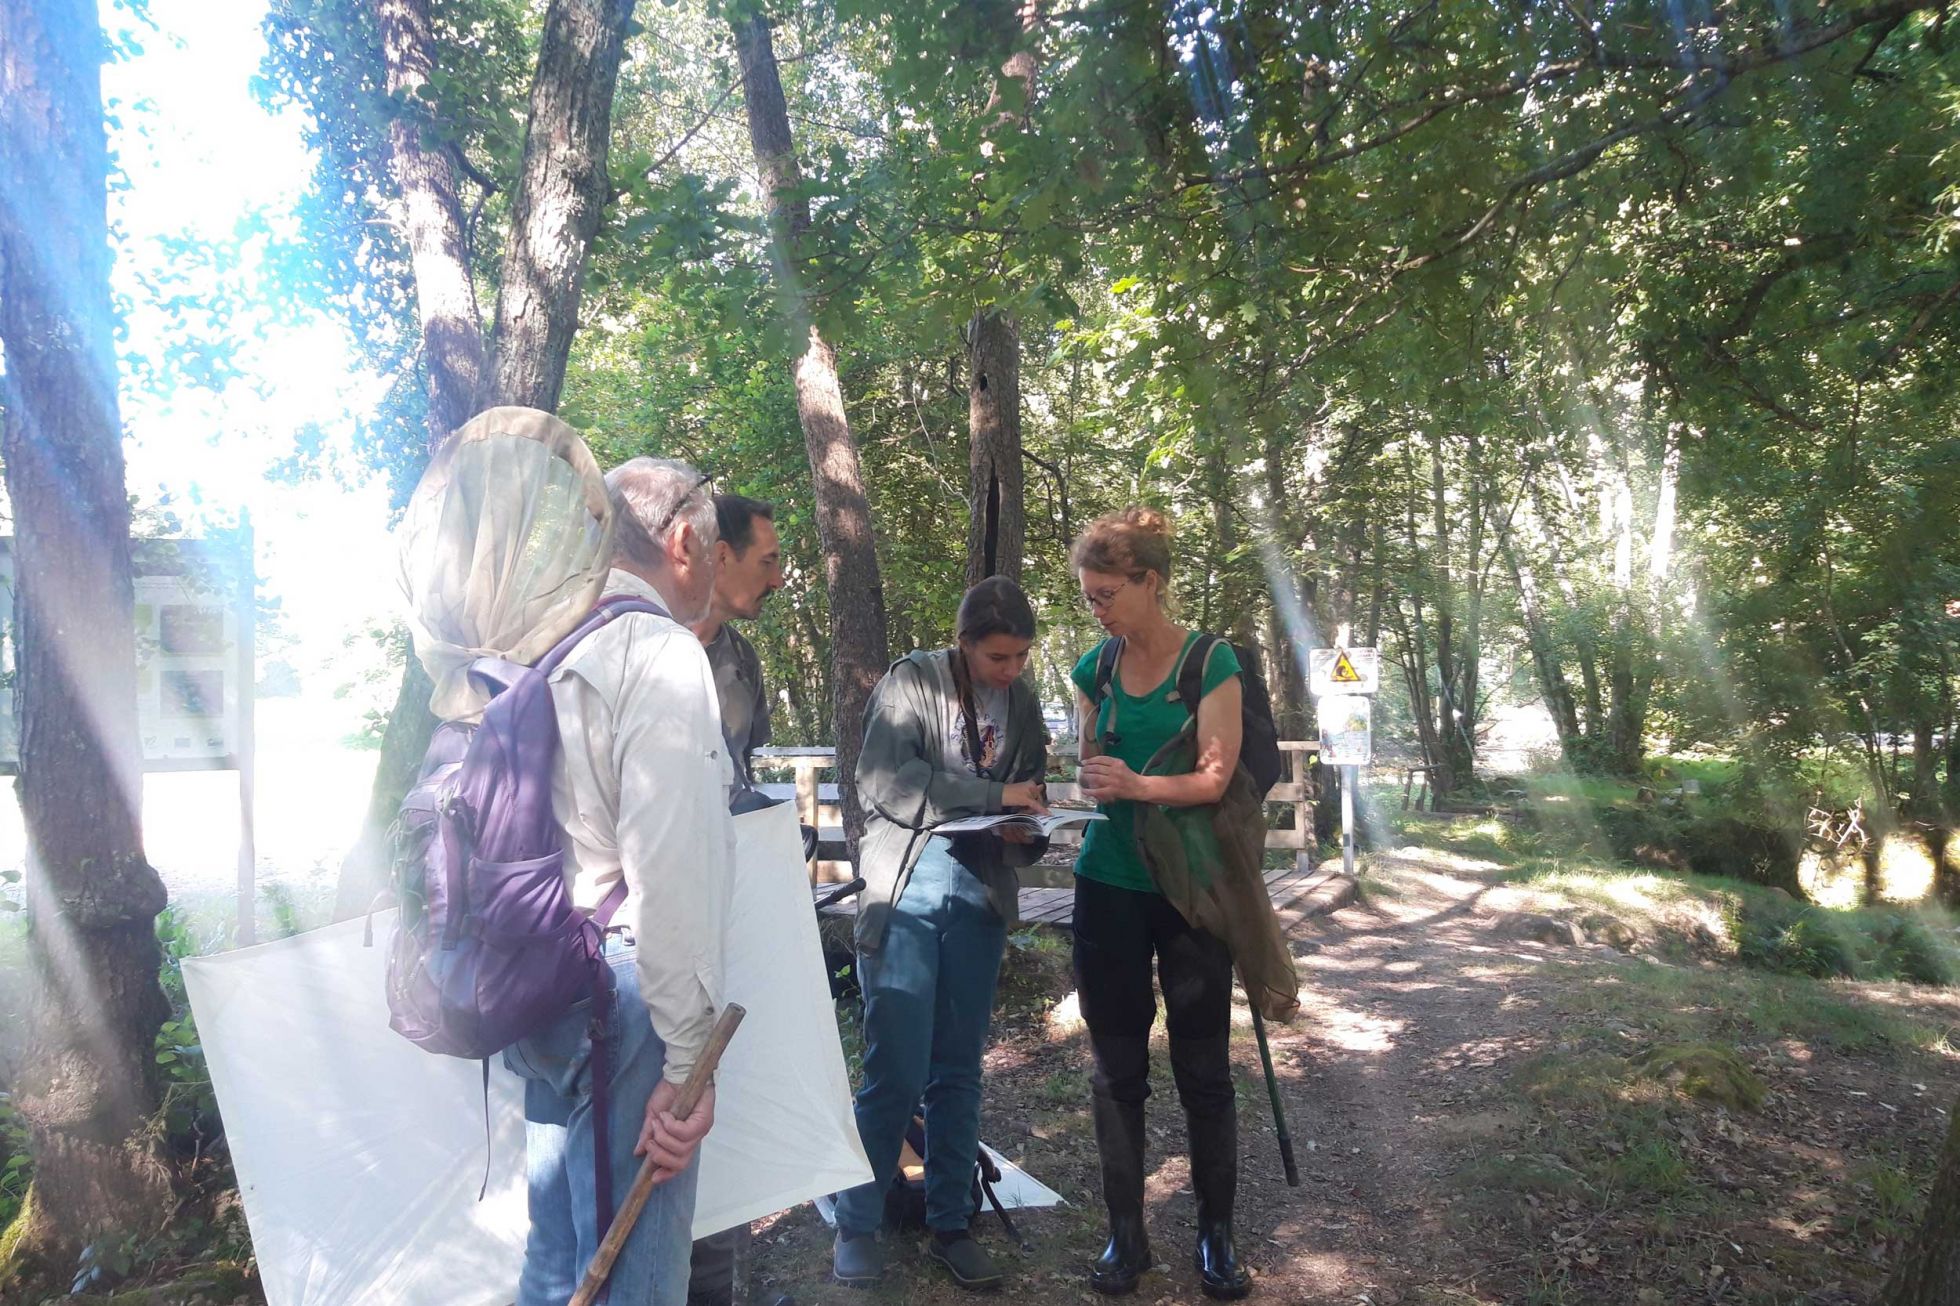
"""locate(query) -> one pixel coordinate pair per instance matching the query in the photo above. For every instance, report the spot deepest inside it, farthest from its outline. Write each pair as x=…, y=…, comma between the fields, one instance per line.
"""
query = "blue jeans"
x=928, y=1000
x=555, y=1065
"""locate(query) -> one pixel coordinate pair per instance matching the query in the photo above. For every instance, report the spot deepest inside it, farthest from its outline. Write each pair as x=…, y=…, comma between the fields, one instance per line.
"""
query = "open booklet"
x=1043, y=826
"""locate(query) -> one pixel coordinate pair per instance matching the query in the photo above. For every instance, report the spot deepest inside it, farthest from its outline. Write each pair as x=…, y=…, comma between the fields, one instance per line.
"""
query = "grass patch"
x=1490, y=839
x=1704, y=1072
x=1065, y=1088
x=1639, y=1007
x=1573, y=1079
x=1653, y=1167
x=1536, y=1173
x=1894, y=1192
x=1684, y=916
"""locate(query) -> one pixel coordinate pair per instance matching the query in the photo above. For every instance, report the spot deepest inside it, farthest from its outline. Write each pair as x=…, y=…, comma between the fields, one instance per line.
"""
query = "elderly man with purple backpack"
x=564, y=861
x=641, y=791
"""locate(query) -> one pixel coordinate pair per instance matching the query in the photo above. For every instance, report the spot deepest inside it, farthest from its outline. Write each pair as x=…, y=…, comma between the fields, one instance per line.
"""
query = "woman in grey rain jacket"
x=948, y=733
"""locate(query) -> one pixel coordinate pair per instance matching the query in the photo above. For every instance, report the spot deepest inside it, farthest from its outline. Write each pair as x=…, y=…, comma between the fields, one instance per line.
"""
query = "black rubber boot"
x=1215, y=1181
x=1122, y=1067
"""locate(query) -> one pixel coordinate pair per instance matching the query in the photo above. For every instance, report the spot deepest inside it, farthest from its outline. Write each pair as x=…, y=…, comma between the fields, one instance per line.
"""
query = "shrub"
x=1907, y=950
x=1795, y=938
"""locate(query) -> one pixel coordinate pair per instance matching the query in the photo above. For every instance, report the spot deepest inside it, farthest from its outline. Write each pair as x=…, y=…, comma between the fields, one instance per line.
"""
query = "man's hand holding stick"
x=656, y=1141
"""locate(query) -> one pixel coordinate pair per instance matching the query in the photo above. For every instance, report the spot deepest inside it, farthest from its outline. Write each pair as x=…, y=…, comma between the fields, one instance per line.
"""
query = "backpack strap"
x=617, y=605
x=604, y=1000
x=609, y=905
x=1191, y=671
x=1107, y=657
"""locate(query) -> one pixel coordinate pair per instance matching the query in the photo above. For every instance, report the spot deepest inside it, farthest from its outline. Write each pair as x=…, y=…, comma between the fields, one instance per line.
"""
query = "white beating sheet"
x=359, y=1155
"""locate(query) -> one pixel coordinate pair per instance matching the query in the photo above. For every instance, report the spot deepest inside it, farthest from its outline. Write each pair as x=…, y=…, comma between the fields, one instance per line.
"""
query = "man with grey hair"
x=641, y=790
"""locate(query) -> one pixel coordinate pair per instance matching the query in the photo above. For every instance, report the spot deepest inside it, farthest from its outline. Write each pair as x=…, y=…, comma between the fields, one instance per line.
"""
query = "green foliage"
x=1793, y=937
x=1908, y=950
x=1619, y=386
x=16, y=1166
x=189, y=1104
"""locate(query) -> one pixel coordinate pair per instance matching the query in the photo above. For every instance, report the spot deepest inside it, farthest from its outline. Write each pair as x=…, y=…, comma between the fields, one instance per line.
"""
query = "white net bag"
x=504, y=548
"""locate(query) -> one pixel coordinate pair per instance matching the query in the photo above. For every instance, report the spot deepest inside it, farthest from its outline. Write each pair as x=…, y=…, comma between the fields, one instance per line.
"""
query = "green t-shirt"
x=1145, y=723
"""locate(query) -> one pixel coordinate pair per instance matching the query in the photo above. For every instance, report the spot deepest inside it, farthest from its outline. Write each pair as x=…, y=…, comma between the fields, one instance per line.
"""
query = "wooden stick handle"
x=629, y=1215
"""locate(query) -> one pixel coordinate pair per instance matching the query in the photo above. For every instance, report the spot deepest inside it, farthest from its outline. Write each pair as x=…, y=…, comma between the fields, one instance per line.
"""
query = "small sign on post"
x=1344, y=671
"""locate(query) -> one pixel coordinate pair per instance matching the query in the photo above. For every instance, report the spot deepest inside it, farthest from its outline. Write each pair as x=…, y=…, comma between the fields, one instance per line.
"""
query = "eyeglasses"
x=660, y=531
x=1101, y=599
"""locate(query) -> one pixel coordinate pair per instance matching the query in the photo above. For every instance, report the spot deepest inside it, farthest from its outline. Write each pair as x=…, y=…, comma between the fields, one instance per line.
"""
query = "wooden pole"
x=629, y=1214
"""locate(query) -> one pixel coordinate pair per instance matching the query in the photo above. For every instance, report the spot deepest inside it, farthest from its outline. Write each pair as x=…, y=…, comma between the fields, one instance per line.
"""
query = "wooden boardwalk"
x=1286, y=886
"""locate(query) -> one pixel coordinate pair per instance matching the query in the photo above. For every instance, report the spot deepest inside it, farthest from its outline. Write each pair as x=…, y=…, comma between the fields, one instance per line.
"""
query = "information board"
x=1346, y=729
x=194, y=654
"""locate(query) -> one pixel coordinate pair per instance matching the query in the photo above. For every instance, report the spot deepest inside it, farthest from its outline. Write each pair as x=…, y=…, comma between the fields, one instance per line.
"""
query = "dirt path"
x=1412, y=1016
x=1400, y=1078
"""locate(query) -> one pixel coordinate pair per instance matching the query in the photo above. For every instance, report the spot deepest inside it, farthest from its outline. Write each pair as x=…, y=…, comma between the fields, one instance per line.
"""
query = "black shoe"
x=966, y=1260
x=1215, y=1181
x=856, y=1262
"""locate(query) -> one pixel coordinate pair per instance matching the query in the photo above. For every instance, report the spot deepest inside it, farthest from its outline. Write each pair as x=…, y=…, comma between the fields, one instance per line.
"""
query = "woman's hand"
x=1109, y=779
x=1028, y=796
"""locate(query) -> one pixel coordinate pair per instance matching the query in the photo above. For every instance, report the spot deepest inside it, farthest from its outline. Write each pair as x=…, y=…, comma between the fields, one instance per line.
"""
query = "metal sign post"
x=1342, y=681
x=1348, y=773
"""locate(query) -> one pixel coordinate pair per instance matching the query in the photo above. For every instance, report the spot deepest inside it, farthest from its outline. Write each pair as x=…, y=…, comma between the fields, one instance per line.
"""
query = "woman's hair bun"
x=1148, y=520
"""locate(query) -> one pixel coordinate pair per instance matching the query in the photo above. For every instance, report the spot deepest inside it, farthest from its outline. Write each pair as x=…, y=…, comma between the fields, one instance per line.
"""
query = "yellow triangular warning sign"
x=1343, y=672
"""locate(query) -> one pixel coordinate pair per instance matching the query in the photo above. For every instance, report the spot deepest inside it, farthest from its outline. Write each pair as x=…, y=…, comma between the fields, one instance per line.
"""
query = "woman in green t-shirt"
x=1122, y=924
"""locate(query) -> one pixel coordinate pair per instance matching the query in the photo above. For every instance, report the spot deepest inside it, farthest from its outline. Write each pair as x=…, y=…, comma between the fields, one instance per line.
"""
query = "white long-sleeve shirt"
x=641, y=790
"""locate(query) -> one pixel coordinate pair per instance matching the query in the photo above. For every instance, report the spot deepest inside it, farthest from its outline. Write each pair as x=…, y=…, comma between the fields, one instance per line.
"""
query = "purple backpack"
x=489, y=947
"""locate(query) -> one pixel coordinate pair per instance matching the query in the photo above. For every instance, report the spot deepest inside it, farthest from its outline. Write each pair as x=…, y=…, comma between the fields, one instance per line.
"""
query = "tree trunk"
x=1292, y=616
x=996, y=537
x=1929, y=1274
x=561, y=195
x=1552, y=684
x=1414, y=643
x=432, y=222
x=1452, y=716
x=857, y=597
x=1925, y=788
x=88, y=1080
x=364, y=872
x=560, y=200
x=1470, y=660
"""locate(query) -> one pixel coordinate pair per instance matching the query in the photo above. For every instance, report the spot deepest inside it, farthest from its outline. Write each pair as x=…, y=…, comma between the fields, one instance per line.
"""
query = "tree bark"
x=364, y=871
x=1470, y=659
x=1452, y=717
x=1552, y=683
x=561, y=196
x=996, y=539
x=1929, y=1273
x=88, y=1080
x=560, y=200
x=857, y=597
x=432, y=223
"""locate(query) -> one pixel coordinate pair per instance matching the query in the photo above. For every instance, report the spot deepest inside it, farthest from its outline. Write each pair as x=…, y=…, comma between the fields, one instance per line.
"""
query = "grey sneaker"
x=857, y=1261
x=967, y=1261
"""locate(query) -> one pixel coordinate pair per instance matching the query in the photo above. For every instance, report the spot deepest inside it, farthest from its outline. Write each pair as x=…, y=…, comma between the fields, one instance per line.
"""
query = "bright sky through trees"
x=203, y=162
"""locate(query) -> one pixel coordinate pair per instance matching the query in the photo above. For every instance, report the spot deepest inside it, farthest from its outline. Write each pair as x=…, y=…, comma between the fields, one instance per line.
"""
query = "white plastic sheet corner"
x=359, y=1156
x=1017, y=1190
